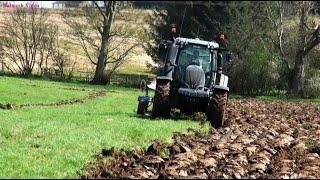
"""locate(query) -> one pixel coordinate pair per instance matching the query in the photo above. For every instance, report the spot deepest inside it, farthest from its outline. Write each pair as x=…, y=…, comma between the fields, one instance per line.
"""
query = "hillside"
x=135, y=19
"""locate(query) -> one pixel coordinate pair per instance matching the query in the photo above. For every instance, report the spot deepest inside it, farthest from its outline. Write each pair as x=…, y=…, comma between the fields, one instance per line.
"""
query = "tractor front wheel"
x=161, y=100
x=217, y=107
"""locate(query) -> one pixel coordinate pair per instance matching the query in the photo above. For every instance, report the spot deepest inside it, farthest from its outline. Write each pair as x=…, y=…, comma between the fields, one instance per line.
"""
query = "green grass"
x=280, y=98
x=55, y=142
x=135, y=69
x=17, y=91
x=284, y=98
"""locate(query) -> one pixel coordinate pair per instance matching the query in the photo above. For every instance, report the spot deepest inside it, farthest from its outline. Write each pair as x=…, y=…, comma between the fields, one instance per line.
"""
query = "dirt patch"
x=7, y=106
x=69, y=101
x=60, y=103
x=64, y=88
x=264, y=139
x=75, y=89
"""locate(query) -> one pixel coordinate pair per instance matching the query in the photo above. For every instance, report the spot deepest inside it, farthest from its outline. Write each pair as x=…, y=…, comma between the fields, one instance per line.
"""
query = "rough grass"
x=55, y=142
x=285, y=98
x=279, y=97
x=134, y=20
x=30, y=91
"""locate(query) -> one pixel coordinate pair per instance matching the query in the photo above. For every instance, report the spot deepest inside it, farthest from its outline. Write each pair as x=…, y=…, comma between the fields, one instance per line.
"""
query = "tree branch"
x=123, y=55
x=100, y=10
x=86, y=51
x=278, y=29
x=312, y=42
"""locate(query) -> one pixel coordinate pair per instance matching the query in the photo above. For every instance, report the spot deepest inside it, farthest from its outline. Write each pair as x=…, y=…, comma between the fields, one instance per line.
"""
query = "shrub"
x=312, y=87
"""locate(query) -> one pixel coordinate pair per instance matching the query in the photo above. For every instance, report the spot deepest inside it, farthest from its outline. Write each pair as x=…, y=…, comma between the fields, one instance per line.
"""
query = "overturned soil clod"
x=264, y=139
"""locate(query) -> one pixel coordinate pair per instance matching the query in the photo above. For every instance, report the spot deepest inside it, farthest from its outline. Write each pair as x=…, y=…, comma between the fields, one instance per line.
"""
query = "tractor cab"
x=195, y=63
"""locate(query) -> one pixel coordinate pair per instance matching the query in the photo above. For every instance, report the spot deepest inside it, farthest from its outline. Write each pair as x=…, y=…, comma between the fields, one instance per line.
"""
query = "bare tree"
x=24, y=32
x=105, y=44
x=61, y=60
x=47, y=47
x=306, y=39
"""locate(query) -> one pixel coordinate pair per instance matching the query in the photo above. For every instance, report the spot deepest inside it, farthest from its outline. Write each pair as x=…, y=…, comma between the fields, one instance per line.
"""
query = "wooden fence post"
x=2, y=65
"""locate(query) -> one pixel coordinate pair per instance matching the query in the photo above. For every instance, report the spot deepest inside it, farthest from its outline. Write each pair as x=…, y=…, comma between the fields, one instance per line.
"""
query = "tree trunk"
x=296, y=79
x=27, y=71
x=100, y=76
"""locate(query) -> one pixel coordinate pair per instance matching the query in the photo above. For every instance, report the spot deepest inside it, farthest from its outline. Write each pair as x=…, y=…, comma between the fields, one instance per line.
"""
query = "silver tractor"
x=191, y=80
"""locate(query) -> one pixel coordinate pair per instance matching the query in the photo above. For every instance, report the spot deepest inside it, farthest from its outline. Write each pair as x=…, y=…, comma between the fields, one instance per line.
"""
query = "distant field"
x=134, y=18
x=55, y=141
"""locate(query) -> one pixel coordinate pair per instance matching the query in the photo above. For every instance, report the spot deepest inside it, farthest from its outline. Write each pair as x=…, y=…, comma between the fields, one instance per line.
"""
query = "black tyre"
x=142, y=107
x=161, y=100
x=217, y=107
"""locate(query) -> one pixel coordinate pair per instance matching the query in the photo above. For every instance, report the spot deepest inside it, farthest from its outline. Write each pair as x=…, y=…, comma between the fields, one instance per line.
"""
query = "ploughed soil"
x=262, y=139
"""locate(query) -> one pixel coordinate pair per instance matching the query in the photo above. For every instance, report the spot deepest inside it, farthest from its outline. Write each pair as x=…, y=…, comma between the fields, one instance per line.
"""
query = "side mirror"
x=162, y=51
x=228, y=57
x=162, y=47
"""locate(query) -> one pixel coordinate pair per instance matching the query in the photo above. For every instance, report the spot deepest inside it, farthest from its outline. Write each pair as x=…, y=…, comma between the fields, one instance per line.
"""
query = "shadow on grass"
x=198, y=117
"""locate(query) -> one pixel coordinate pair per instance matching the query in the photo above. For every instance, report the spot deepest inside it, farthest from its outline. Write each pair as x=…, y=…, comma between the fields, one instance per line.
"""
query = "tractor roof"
x=198, y=41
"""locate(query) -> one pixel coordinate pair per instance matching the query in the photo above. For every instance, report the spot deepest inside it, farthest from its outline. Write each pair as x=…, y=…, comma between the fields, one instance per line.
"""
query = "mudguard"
x=223, y=84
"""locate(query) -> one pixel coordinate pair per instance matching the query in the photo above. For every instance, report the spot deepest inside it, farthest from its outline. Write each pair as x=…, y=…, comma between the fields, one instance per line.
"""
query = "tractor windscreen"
x=197, y=55
x=194, y=54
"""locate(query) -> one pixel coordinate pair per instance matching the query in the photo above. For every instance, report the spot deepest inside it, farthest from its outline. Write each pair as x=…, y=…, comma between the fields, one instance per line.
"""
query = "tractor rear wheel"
x=217, y=107
x=161, y=100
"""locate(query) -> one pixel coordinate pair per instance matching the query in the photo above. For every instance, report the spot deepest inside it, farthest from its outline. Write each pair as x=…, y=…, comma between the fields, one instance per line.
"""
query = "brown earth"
x=263, y=139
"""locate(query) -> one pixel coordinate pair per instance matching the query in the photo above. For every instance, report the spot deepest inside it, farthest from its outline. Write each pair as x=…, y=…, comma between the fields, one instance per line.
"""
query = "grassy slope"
x=55, y=142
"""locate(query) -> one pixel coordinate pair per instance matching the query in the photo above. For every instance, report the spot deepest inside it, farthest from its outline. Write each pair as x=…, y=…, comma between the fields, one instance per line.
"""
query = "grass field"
x=56, y=141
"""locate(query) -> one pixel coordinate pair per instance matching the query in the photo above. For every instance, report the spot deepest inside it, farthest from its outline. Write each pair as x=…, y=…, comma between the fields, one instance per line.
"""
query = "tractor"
x=191, y=80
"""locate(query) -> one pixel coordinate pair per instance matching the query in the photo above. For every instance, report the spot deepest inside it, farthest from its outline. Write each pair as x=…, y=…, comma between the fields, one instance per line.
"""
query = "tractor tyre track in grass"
x=263, y=139
x=60, y=103
x=64, y=88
